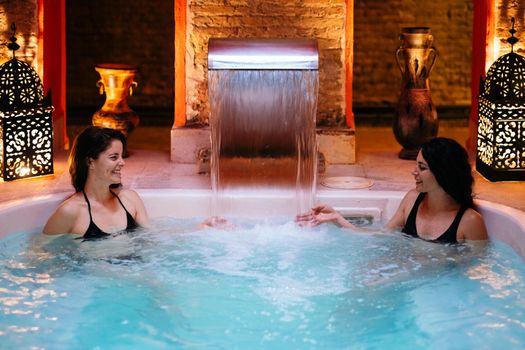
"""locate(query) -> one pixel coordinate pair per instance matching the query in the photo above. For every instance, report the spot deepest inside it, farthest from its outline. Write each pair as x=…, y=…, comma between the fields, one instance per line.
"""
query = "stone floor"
x=149, y=167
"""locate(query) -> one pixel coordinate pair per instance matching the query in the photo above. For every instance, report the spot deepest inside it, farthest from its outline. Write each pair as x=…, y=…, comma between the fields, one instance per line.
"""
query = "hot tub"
x=30, y=214
x=264, y=285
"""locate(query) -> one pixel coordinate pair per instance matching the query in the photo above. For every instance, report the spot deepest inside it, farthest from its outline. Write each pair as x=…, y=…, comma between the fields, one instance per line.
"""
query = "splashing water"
x=263, y=285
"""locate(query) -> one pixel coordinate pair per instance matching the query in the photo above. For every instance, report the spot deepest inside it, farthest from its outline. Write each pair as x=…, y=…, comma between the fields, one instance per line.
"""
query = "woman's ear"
x=90, y=162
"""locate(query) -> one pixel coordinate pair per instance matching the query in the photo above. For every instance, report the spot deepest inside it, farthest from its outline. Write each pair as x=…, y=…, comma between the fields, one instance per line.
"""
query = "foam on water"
x=262, y=285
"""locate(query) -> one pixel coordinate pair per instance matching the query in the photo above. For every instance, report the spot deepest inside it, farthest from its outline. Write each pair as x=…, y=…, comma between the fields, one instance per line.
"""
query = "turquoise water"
x=262, y=286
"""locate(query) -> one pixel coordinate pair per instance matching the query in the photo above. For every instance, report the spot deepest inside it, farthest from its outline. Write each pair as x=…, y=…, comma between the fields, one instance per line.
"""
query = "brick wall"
x=377, y=78
x=24, y=14
x=142, y=32
x=117, y=33
x=507, y=9
x=139, y=32
x=323, y=20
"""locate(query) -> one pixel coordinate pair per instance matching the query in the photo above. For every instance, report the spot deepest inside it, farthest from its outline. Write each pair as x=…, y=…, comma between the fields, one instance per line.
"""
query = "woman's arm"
x=324, y=213
x=398, y=221
x=61, y=221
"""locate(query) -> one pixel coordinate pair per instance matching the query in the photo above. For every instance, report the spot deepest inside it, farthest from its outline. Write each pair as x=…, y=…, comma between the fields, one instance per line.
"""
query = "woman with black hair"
x=439, y=209
x=100, y=207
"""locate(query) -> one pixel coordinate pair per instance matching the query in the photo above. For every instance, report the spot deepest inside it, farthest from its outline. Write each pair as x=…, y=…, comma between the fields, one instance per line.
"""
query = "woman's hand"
x=321, y=208
x=321, y=214
x=217, y=222
x=322, y=217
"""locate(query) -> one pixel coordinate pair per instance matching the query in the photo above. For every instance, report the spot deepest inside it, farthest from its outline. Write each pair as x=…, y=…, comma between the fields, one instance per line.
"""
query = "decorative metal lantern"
x=26, y=124
x=501, y=120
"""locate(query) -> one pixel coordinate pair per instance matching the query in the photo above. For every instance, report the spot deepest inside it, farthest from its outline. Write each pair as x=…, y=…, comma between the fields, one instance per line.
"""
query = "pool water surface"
x=264, y=285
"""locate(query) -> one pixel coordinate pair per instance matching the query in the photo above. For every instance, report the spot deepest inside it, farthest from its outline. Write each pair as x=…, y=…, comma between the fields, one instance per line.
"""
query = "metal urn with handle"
x=416, y=119
x=117, y=82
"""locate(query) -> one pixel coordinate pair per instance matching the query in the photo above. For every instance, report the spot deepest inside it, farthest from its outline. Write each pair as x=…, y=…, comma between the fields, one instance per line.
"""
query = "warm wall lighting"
x=26, y=125
x=501, y=120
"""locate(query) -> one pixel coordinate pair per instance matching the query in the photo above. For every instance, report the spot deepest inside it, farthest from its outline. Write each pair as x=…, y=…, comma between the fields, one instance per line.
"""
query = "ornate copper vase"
x=117, y=81
x=416, y=119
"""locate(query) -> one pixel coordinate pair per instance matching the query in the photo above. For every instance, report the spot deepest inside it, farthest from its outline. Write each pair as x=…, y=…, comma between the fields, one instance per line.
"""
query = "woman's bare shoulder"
x=473, y=217
x=472, y=226
x=128, y=195
x=65, y=215
x=71, y=206
x=413, y=193
x=128, y=192
x=409, y=198
x=134, y=204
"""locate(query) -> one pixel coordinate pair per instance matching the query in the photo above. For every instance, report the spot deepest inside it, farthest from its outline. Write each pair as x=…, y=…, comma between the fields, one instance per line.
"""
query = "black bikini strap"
x=89, y=205
x=113, y=193
x=420, y=198
x=459, y=215
x=415, y=206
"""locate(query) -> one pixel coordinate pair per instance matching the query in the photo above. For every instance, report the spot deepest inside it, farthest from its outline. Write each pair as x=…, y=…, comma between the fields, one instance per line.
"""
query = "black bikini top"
x=94, y=232
x=449, y=236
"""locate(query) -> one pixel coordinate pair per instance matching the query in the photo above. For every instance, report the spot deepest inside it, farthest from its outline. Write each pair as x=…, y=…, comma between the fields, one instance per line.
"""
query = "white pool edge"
x=30, y=214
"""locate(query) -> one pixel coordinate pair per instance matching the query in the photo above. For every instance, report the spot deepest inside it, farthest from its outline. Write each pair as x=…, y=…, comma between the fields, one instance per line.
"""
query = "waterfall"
x=263, y=132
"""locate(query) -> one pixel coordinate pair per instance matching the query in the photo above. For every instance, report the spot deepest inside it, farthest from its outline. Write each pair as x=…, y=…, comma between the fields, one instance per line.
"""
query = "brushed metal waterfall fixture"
x=226, y=53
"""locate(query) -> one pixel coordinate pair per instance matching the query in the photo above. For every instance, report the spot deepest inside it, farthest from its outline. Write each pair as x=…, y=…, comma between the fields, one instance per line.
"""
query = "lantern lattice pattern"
x=501, y=120
x=27, y=143
x=20, y=86
x=26, y=126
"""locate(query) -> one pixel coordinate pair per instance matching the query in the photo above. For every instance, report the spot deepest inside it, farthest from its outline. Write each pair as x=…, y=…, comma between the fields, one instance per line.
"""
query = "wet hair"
x=448, y=161
x=92, y=141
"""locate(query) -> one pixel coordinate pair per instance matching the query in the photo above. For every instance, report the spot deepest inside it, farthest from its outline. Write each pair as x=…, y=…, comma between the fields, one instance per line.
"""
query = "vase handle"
x=432, y=55
x=133, y=85
x=100, y=85
x=401, y=66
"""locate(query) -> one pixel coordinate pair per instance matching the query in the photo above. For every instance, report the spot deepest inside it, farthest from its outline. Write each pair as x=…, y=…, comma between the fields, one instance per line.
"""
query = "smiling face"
x=107, y=167
x=425, y=180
